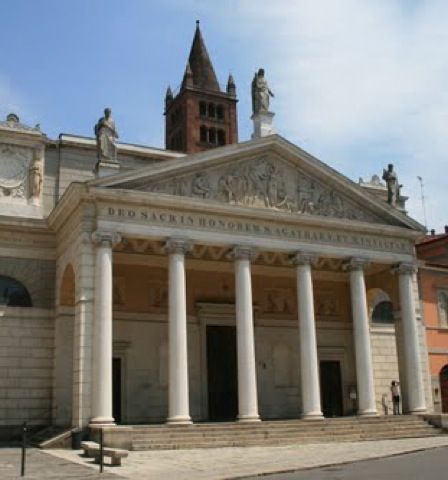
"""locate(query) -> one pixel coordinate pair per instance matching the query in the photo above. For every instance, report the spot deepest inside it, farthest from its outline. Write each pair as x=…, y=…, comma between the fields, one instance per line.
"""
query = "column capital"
x=178, y=245
x=106, y=239
x=405, y=268
x=355, y=263
x=303, y=258
x=242, y=252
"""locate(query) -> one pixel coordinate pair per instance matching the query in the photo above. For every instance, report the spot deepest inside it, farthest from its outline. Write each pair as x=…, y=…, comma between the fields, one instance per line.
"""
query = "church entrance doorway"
x=116, y=389
x=222, y=373
x=331, y=388
x=443, y=377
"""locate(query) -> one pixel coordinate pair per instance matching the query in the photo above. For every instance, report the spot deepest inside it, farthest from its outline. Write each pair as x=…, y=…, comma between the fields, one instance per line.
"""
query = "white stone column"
x=361, y=332
x=309, y=365
x=415, y=391
x=247, y=373
x=178, y=394
x=102, y=336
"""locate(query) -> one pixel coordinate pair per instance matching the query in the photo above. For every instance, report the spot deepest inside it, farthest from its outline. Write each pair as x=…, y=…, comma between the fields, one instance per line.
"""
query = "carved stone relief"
x=279, y=300
x=327, y=305
x=158, y=295
x=264, y=183
x=14, y=164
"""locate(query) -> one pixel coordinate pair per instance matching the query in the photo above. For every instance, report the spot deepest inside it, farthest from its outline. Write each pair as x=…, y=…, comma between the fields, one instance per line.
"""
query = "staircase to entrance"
x=266, y=433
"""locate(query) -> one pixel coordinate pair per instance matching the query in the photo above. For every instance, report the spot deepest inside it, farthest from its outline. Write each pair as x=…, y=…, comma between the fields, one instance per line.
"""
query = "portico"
x=295, y=287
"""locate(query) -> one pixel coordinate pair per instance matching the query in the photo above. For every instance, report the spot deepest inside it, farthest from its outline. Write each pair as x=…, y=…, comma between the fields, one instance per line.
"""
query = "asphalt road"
x=425, y=465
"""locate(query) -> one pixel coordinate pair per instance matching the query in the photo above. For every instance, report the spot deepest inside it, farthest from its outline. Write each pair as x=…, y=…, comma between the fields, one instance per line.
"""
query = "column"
x=361, y=332
x=309, y=366
x=102, y=335
x=415, y=391
x=247, y=374
x=178, y=395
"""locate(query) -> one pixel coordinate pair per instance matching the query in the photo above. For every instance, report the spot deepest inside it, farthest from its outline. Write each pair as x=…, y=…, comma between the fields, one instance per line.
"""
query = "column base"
x=367, y=413
x=418, y=411
x=248, y=418
x=179, y=420
x=312, y=416
x=102, y=421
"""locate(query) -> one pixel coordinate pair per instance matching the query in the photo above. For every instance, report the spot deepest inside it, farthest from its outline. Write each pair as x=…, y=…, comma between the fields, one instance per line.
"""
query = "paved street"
x=237, y=462
x=41, y=466
x=427, y=465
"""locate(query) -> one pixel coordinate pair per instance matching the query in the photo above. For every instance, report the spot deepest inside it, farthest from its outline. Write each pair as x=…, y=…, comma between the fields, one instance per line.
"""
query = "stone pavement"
x=41, y=466
x=237, y=462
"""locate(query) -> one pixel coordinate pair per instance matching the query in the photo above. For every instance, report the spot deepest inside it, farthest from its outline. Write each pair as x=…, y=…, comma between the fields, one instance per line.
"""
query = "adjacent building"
x=432, y=252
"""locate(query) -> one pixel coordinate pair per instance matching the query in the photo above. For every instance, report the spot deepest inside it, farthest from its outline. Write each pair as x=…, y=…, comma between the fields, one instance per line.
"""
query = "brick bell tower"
x=200, y=116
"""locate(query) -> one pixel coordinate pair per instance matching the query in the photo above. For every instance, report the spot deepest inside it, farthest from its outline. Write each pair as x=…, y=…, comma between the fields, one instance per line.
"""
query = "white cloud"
x=355, y=79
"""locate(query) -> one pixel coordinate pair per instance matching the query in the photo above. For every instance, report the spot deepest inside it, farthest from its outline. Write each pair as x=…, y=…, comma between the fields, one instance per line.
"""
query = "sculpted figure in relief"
x=35, y=181
x=260, y=93
x=200, y=186
x=106, y=133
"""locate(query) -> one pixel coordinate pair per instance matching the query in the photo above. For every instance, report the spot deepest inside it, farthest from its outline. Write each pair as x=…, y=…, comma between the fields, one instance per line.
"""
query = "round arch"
x=13, y=293
x=381, y=309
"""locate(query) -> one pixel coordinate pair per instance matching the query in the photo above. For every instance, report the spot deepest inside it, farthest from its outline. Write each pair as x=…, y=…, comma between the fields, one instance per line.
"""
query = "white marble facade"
x=287, y=233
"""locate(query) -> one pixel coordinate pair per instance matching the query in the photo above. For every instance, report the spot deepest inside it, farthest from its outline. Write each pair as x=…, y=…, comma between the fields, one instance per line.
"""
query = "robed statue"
x=393, y=187
x=106, y=133
x=260, y=93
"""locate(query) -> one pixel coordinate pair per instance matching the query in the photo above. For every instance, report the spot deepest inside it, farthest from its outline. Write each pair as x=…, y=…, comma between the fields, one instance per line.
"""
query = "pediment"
x=268, y=178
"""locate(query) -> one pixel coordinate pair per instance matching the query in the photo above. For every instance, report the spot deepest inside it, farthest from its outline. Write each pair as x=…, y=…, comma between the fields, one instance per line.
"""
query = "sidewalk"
x=227, y=463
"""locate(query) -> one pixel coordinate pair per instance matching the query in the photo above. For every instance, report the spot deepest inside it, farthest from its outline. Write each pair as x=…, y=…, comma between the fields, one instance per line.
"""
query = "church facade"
x=243, y=282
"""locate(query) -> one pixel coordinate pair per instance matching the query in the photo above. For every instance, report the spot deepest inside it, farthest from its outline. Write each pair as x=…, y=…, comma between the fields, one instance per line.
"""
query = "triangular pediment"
x=273, y=175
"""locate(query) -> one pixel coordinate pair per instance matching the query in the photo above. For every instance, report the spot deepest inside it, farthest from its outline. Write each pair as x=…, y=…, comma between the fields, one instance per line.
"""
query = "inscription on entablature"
x=223, y=224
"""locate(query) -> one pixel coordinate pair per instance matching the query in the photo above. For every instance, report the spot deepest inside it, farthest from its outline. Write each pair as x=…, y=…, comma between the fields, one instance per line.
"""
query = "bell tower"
x=200, y=116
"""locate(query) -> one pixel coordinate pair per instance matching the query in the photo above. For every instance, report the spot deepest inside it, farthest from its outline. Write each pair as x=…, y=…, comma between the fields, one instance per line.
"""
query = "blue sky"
x=358, y=83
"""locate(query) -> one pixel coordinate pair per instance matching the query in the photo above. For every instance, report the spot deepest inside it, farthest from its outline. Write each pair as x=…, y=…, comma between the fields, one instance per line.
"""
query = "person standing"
x=395, y=390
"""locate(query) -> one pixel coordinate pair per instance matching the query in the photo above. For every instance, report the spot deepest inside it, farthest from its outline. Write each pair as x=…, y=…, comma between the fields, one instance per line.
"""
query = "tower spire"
x=203, y=73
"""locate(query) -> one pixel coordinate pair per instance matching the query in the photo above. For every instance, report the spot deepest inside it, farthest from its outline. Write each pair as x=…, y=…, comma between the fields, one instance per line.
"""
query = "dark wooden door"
x=116, y=389
x=444, y=388
x=331, y=388
x=222, y=373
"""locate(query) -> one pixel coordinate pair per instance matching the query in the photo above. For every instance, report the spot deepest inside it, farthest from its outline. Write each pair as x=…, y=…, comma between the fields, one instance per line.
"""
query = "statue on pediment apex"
x=260, y=93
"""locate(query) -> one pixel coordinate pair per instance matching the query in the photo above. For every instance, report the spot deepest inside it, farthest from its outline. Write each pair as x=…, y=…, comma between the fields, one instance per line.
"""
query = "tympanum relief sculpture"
x=263, y=183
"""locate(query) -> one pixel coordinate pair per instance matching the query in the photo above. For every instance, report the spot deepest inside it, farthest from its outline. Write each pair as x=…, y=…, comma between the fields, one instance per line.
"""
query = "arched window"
x=221, y=137
x=13, y=293
x=220, y=112
x=202, y=109
x=203, y=134
x=383, y=313
x=212, y=136
x=211, y=110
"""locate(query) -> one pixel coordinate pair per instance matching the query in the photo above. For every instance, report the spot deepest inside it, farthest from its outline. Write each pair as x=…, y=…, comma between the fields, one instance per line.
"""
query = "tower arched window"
x=221, y=137
x=220, y=112
x=202, y=109
x=211, y=110
x=203, y=134
x=13, y=293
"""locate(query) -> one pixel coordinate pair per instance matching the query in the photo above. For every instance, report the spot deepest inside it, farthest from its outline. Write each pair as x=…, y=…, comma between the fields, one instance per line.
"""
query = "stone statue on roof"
x=260, y=93
x=393, y=187
x=106, y=133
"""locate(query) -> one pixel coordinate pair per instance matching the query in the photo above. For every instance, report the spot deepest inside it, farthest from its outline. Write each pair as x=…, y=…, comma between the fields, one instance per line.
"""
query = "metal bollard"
x=101, y=451
x=22, y=466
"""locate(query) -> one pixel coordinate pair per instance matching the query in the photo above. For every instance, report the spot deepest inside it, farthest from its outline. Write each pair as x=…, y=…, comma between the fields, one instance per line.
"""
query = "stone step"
x=265, y=435
x=269, y=442
x=261, y=429
x=300, y=424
